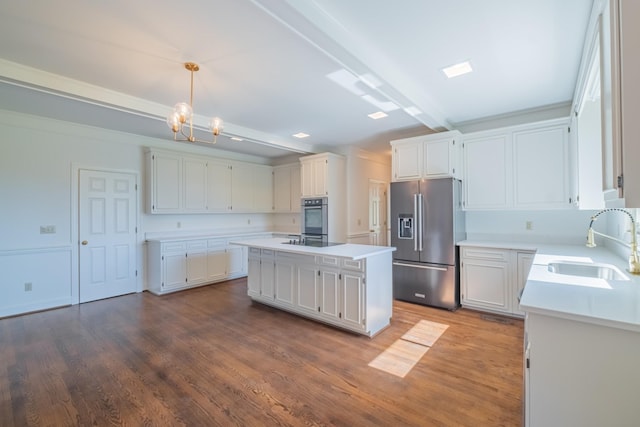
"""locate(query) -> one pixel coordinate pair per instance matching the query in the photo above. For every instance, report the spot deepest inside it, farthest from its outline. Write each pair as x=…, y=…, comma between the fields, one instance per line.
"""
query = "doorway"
x=377, y=212
x=107, y=228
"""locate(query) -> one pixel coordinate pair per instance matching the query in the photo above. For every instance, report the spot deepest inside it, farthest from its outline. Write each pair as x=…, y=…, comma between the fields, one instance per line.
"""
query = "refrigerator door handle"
x=420, y=221
x=416, y=221
x=425, y=267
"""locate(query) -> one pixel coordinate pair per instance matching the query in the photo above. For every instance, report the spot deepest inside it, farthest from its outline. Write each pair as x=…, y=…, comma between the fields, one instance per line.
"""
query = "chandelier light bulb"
x=184, y=111
x=216, y=125
x=173, y=121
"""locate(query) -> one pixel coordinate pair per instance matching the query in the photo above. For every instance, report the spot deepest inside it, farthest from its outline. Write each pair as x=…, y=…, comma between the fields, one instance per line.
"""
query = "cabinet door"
x=440, y=158
x=296, y=188
x=218, y=187
x=241, y=188
x=407, y=161
x=320, y=168
x=216, y=264
x=485, y=284
x=282, y=197
x=306, y=171
x=524, y=263
x=196, y=267
x=353, y=299
x=307, y=292
x=267, y=279
x=167, y=183
x=262, y=188
x=194, y=185
x=174, y=270
x=284, y=282
x=253, y=280
x=486, y=172
x=329, y=293
x=541, y=168
x=237, y=261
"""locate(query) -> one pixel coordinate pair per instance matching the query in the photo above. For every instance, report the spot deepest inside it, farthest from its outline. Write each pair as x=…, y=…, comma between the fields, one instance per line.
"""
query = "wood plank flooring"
x=209, y=356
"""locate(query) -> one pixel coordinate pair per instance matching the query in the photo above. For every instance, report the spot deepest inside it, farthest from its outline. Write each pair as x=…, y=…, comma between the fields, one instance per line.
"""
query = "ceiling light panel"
x=378, y=115
x=300, y=135
x=457, y=69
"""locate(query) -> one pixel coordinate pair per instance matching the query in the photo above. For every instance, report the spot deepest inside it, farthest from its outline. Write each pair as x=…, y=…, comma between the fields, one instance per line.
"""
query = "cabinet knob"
x=84, y=243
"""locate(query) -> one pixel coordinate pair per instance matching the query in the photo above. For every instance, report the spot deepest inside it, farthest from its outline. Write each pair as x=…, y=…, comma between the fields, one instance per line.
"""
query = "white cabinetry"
x=219, y=186
x=579, y=374
x=326, y=288
x=286, y=188
x=492, y=279
x=519, y=167
x=430, y=156
x=176, y=265
x=181, y=184
x=322, y=175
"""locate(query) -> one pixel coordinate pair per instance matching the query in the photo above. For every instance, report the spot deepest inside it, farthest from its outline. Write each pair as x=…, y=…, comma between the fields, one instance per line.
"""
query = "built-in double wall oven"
x=315, y=221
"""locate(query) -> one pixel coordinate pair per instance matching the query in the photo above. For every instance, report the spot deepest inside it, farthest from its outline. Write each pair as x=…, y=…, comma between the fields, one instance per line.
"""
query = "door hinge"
x=339, y=276
x=136, y=187
x=453, y=142
x=136, y=230
x=136, y=273
x=620, y=181
x=528, y=363
x=162, y=257
x=569, y=129
x=318, y=272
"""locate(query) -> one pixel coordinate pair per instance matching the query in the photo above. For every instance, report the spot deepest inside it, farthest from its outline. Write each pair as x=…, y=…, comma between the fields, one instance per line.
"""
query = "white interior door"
x=377, y=213
x=107, y=234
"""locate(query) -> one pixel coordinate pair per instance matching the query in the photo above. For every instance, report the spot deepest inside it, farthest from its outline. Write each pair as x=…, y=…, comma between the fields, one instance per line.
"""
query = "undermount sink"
x=596, y=271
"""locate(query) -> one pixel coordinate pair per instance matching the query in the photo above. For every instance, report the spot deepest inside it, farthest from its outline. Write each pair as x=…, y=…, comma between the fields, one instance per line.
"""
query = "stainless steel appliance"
x=426, y=222
x=315, y=219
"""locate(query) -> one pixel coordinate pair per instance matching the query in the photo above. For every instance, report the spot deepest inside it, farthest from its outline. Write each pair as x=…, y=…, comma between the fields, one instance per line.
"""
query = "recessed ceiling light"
x=235, y=138
x=378, y=115
x=301, y=135
x=457, y=69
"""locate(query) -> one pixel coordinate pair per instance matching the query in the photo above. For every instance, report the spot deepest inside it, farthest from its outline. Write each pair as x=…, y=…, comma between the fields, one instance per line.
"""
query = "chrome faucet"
x=634, y=262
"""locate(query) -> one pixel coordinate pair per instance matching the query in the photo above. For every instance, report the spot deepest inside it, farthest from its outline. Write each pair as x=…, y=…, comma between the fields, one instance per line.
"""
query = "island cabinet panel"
x=351, y=294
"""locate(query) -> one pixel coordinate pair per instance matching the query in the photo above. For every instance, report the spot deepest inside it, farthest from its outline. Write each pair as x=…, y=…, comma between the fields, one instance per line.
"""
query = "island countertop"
x=347, y=250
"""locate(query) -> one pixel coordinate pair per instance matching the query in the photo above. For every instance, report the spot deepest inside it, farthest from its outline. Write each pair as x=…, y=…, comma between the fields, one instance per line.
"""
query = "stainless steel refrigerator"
x=426, y=222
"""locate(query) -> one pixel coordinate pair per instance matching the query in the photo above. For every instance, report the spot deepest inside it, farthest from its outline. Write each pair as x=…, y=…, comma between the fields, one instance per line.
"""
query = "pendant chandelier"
x=182, y=116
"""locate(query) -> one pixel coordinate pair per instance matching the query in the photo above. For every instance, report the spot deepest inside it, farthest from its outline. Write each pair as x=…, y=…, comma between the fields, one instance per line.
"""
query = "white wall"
x=37, y=159
x=554, y=227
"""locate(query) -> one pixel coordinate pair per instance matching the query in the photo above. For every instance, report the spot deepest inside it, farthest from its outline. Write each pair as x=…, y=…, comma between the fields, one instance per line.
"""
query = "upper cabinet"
x=430, y=156
x=322, y=175
x=286, y=188
x=518, y=167
x=185, y=184
x=606, y=106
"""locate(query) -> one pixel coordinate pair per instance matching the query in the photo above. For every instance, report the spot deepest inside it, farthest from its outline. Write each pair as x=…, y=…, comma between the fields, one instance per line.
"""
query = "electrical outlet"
x=28, y=287
x=47, y=229
x=529, y=225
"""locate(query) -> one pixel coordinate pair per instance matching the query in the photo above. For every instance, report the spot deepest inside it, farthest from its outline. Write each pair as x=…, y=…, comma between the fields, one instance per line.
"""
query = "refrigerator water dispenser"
x=405, y=226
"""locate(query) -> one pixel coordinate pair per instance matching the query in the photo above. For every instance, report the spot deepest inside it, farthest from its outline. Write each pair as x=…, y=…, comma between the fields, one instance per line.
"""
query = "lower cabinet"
x=329, y=289
x=178, y=265
x=492, y=279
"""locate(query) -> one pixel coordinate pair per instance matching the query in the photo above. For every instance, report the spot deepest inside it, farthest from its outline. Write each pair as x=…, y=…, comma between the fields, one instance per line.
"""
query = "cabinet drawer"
x=350, y=264
x=299, y=259
x=197, y=245
x=268, y=253
x=216, y=243
x=254, y=251
x=486, y=254
x=174, y=247
x=329, y=260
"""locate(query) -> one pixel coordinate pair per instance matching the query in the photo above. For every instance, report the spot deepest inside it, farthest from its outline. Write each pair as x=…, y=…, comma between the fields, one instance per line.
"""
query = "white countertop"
x=209, y=234
x=347, y=250
x=612, y=303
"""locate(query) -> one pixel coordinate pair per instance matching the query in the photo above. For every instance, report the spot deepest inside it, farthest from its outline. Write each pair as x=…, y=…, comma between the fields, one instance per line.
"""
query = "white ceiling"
x=264, y=64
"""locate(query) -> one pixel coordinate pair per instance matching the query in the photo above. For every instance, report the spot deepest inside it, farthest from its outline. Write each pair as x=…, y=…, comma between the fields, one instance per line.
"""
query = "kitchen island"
x=348, y=285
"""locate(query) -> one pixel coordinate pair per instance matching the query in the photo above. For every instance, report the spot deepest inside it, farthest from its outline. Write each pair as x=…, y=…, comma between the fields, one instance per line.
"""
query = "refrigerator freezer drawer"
x=427, y=284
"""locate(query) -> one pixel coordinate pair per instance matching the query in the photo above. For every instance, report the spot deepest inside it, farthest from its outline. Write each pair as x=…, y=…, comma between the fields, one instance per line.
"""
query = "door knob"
x=84, y=242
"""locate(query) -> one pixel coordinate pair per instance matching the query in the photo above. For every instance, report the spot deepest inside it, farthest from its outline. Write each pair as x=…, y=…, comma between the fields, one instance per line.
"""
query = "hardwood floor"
x=209, y=356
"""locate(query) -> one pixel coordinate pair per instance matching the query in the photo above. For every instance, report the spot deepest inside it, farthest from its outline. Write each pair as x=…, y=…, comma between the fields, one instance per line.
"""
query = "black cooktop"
x=313, y=243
